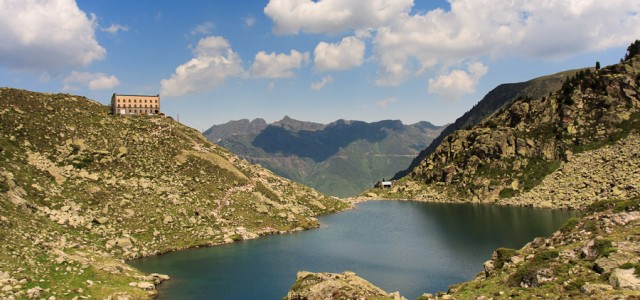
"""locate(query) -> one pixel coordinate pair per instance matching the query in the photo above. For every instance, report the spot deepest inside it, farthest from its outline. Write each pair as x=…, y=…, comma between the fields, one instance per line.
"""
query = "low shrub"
x=528, y=272
x=569, y=225
x=503, y=255
x=629, y=265
x=3, y=186
x=617, y=205
x=627, y=205
x=546, y=255
x=603, y=247
x=507, y=193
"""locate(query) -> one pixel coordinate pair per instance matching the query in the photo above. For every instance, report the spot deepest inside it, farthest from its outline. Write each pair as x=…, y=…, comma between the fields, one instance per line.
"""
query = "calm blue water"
x=399, y=246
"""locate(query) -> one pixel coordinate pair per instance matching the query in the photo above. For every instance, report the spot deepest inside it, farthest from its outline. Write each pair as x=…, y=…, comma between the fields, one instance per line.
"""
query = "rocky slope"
x=510, y=153
x=497, y=98
x=596, y=256
x=81, y=190
x=340, y=159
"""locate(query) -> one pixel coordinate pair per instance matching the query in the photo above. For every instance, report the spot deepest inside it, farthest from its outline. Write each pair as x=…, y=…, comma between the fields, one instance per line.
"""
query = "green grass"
x=4, y=187
x=603, y=247
x=621, y=131
x=536, y=170
x=507, y=193
x=617, y=205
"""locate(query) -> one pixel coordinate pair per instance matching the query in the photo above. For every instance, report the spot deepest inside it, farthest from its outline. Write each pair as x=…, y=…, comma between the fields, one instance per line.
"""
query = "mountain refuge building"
x=135, y=104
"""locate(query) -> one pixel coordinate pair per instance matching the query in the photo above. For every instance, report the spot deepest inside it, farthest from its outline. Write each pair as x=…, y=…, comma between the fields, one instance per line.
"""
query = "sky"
x=213, y=61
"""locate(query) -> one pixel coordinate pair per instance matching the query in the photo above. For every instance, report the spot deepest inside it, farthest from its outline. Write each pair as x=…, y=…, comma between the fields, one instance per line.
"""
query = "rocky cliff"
x=81, y=189
x=510, y=153
x=497, y=98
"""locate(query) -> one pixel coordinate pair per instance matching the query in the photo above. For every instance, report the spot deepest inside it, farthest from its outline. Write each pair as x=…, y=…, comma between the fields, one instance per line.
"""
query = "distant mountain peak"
x=237, y=127
x=291, y=124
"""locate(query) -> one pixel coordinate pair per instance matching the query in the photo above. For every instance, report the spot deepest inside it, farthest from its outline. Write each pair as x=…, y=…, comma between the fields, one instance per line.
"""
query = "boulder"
x=489, y=266
x=147, y=286
x=622, y=279
x=34, y=293
x=121, y=152
x=318, y=204
x=609, y=263
x=101, y=220
x=124, y=243
x=593, y=288
x=167, y=220
x=624, y=218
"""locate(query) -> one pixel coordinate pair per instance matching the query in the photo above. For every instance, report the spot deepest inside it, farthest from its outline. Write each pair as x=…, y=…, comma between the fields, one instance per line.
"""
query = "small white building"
x=387, y=184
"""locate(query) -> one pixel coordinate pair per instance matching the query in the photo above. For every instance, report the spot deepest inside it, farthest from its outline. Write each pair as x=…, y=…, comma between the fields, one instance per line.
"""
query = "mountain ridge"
x=341, y=158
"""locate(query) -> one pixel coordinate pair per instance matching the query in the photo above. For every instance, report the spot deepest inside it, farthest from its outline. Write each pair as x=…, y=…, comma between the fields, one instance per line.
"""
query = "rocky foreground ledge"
x=596, y=256
x=348, y=285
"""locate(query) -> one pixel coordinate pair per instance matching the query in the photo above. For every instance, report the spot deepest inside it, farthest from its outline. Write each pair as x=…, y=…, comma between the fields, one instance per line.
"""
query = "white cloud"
x=249, y=21
x=322, y=83
x=386, y=101
x=94, y=81
x=407, y=43
x=458, y=82
x=347, y=54
x=278, y=65
x=115, y=28
x=213, y=63
x=499, y=28
x=332, y=16
x=203, y=29
x=46, y=36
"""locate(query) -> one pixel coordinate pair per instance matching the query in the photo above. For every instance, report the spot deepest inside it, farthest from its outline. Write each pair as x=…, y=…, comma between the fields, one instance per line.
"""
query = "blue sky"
x=323, y=60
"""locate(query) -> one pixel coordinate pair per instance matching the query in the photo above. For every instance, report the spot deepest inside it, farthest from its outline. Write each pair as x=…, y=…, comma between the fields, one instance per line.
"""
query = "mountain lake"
x=410, y=247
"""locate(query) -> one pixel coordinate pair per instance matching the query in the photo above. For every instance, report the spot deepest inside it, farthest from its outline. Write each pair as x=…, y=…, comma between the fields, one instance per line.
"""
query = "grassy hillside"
x=81, y=189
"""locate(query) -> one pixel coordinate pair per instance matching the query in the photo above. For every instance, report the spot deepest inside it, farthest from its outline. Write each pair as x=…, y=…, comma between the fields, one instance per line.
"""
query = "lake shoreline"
x=363, y=199
x=353, y=207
